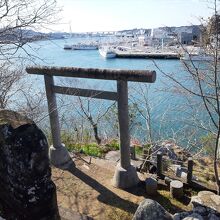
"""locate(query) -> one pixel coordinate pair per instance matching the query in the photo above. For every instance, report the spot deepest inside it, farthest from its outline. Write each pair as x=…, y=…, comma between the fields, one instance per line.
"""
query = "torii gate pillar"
x=125, y=174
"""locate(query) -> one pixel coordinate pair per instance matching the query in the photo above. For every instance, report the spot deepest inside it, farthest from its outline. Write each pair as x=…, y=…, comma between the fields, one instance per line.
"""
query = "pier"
x=147, y=55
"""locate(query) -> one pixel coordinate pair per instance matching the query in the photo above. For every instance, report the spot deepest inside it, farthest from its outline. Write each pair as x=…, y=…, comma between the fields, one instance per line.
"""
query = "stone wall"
x=26, y=188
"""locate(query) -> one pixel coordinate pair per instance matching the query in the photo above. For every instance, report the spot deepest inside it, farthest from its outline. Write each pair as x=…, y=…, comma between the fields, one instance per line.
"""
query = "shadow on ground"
x=110, y=198
x=106, y=196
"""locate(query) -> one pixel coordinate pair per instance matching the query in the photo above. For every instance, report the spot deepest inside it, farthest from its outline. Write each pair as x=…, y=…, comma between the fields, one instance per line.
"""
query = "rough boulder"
x=151, y=210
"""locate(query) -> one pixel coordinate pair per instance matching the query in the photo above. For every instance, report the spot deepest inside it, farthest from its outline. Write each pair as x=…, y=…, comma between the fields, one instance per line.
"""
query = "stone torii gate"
x=125, y=174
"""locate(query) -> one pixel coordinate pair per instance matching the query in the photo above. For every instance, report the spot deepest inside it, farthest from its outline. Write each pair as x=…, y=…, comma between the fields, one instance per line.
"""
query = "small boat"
x=107, y=52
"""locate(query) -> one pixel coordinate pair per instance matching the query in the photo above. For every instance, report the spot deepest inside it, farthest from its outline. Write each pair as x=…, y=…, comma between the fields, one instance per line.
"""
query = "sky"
x=113, y=15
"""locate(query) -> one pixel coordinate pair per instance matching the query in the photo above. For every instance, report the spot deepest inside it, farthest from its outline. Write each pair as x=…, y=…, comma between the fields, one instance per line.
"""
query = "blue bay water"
x=167, y=115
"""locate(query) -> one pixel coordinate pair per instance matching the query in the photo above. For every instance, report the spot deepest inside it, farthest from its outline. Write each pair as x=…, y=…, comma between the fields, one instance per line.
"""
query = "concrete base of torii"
x=125, y=178
x=60, y=158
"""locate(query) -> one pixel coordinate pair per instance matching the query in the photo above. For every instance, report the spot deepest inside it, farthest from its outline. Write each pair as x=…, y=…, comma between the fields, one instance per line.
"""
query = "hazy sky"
x=101, y=15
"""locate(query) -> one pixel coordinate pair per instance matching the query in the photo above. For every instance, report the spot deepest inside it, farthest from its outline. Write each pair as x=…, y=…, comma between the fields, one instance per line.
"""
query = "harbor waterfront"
x=169, y=110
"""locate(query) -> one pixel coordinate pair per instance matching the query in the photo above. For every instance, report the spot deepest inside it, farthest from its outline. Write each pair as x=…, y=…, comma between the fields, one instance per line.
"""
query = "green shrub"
x=67, y=137
x=113, y=145
x=138, y=150
x=73, y=147
x=92, y=150
x=147, y=146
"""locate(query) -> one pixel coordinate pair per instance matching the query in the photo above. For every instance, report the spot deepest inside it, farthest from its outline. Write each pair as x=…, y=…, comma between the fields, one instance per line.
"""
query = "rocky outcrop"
x=150, y=210
x=187, y=216
x=26, y=189
x=171, y=151
x=207, y=204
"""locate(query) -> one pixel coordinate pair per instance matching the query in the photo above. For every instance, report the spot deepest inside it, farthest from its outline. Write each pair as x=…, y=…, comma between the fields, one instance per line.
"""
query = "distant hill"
x=19, y=35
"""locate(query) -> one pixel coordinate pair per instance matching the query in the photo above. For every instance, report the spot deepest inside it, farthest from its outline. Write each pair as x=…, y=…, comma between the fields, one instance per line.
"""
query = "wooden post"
x=159, y=164
x=145, y=153
x=133, y=154
x=176, y=189
x=122, y=87
x=53, y=113
x=190, y=170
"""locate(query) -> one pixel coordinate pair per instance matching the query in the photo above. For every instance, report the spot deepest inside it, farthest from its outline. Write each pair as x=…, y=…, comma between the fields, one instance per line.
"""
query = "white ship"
x=107, y=52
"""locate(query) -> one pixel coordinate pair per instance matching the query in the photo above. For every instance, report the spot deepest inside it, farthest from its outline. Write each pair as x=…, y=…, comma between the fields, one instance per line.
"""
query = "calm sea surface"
x=168, y=110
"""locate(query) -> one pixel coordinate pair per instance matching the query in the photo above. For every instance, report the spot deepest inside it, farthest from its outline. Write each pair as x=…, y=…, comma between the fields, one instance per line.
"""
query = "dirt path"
x=88, y=190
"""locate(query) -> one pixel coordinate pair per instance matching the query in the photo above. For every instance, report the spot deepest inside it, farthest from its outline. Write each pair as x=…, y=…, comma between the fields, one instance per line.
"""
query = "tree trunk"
x=95, y=130
x=217, y=176
x=216, y=164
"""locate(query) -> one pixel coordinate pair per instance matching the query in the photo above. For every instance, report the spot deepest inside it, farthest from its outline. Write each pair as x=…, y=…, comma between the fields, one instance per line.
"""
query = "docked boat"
x=81, y=46
x=107, y=52
x=84, y=46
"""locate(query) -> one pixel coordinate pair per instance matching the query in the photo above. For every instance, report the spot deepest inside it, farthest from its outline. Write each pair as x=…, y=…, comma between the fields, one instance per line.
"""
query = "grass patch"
x=118, y=214
x=170, y=204
x=73, y=147
x=91, y=149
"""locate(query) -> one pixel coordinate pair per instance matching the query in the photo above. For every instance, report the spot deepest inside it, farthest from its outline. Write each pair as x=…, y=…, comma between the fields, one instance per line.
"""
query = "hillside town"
x=185, y=34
